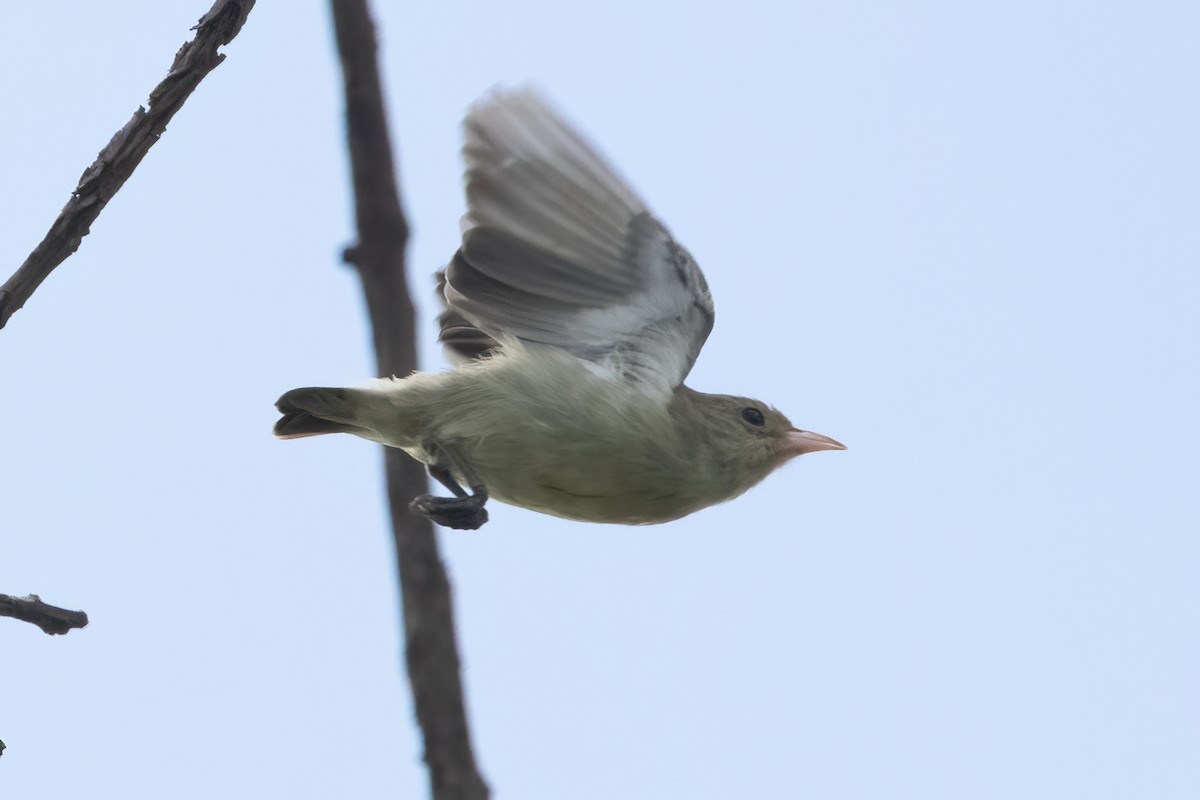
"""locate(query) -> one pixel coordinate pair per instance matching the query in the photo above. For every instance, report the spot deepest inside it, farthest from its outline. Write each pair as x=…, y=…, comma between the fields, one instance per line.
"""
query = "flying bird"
x=573, y=318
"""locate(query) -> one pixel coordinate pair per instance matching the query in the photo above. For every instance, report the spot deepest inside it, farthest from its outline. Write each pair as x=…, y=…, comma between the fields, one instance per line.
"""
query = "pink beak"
x=801, y=442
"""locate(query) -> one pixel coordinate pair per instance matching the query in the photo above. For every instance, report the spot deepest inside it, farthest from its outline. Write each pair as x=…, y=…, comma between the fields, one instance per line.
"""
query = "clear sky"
x=959, y=237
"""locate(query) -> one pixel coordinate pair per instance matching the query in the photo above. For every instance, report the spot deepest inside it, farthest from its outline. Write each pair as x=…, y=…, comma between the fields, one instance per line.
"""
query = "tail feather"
x=297, y=424
x=314, y=411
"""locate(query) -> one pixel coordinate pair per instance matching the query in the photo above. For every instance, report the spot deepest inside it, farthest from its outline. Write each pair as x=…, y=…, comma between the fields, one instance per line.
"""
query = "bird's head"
x=750, y=438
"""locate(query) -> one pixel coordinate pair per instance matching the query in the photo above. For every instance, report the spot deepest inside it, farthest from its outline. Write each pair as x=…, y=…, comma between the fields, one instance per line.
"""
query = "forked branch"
x=379, y=256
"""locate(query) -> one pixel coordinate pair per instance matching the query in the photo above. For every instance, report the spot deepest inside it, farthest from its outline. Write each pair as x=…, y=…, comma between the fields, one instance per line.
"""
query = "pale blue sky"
x=960, y=237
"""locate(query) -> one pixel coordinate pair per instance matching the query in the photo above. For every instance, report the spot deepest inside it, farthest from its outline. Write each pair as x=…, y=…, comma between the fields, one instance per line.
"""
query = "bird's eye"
x=753, y=416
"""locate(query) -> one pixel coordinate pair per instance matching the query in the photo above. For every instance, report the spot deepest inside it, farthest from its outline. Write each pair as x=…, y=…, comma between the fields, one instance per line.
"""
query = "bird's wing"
x=558, y=250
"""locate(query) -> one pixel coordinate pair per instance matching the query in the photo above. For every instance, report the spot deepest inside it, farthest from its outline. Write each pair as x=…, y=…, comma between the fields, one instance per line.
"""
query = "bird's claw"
x=461, y=513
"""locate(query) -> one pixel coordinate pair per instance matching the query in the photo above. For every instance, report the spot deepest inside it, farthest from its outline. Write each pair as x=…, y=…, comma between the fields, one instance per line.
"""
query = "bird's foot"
x=461, y=513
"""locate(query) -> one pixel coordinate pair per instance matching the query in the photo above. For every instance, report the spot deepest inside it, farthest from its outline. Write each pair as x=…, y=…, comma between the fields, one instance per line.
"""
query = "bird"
x=571, y=317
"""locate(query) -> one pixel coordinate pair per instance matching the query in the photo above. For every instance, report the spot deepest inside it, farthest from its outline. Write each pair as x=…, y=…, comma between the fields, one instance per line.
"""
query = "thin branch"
x=431, y=650
x=125, y=151
x=51, y=619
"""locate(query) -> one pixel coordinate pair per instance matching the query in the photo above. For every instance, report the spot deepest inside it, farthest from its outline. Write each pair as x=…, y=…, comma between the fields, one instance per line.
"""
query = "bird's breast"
x=552, y=436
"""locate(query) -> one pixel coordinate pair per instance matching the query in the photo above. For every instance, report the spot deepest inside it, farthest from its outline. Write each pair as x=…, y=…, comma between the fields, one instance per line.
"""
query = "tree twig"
x=51, y=619
x=125, y=151
x=379, y=256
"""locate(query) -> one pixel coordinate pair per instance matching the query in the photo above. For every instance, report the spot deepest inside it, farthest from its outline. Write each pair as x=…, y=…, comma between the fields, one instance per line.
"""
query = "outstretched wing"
x=558, y=250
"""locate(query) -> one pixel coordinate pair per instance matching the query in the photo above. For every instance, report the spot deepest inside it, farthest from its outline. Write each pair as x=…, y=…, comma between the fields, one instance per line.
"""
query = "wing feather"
x=558, y=250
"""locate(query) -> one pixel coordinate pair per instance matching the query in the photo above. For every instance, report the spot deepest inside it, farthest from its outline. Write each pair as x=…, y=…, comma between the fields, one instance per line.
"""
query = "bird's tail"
x=314, y=411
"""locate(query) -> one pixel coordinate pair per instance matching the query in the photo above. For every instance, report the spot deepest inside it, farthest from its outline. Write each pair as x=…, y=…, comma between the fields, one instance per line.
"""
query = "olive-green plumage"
x=575, y=317
x=545, y=432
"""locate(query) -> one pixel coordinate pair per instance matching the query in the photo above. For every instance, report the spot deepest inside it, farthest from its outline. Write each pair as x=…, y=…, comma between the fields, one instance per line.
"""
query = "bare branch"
x=431, y=650
x=51, y=619
x=116, y=162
